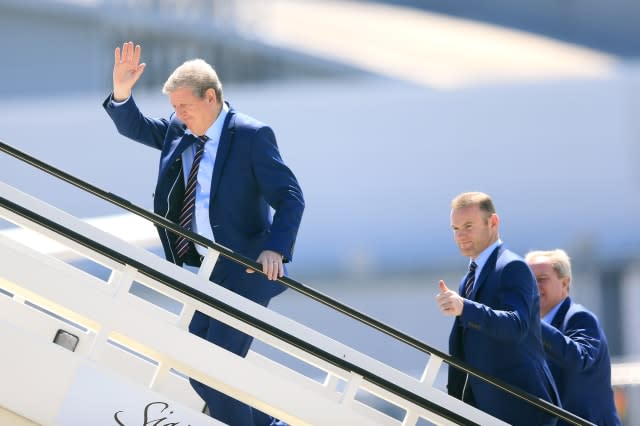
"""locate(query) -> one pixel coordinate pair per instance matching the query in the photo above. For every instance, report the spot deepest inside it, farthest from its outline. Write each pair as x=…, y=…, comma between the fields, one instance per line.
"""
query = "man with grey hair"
x=574, y=342
x=220, y=175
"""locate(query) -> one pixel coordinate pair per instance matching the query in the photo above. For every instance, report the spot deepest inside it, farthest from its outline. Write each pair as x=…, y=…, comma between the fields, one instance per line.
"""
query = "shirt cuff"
x=116, y=103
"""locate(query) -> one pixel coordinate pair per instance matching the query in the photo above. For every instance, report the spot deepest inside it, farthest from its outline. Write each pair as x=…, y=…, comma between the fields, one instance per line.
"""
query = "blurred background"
x=385, y=110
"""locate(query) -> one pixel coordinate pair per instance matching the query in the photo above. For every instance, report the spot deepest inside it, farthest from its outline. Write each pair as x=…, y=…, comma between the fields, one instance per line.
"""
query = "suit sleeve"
x=510, y=319
x=132, y=124
x=576, y=349
x=280, y=188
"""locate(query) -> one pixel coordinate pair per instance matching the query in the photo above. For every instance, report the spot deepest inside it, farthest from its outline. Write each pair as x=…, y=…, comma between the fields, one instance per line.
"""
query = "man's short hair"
x=559, y=259
x=480, y=199
x=196, y=74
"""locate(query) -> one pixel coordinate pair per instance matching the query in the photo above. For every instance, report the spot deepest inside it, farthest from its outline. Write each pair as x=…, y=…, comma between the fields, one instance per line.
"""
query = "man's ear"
x=494, y=219
x=210, y=95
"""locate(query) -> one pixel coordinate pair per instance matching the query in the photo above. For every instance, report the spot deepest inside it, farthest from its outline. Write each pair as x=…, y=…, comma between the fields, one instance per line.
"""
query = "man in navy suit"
x=497, y=323
x=239, y=176
x=575, y=344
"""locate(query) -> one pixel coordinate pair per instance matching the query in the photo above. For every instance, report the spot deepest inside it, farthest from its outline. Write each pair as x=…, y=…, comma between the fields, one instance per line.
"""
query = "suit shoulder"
x=246, y=122
x=511, y=255
x=577, y=311
x=250, y=131
x=507, y=258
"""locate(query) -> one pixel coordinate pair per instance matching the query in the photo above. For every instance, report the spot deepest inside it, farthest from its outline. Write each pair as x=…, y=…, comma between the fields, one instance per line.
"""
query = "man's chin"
x=466, y=252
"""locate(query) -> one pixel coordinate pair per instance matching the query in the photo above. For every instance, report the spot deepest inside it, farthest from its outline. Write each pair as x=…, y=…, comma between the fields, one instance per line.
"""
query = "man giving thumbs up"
x=497, y=319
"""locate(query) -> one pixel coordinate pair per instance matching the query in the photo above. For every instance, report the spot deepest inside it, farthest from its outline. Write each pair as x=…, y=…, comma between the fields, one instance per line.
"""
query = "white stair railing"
x=143, y=351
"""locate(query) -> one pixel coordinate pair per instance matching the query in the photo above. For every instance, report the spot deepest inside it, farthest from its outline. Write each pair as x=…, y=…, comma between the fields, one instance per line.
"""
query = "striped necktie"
x=189, y=201
x=470, y=280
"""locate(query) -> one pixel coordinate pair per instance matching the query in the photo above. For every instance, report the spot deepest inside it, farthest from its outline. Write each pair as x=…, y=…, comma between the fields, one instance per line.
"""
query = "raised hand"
x=127, y=70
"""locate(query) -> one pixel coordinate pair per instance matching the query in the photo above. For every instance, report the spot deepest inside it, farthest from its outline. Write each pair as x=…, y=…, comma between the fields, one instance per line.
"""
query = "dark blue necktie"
x=470, y=280
x=189, y=200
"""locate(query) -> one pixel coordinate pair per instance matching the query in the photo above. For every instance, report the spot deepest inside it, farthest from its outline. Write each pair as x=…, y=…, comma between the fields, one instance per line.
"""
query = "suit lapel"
x=490, y=265
x=170, y=187
x=226, y=139
x=558, y=318
x=174, y=153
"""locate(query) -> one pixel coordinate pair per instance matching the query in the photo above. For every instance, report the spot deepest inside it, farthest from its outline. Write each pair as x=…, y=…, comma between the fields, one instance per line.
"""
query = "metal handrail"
x=289, y=282
x=230, y=310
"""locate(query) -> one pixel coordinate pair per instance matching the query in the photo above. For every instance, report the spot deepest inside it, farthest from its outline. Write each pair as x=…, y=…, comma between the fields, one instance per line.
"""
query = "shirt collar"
x=482, y=258
x=552, y=313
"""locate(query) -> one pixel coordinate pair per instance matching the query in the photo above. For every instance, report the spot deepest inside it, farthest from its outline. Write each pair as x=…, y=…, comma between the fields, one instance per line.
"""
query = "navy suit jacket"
x=249, y=177
x=498, y=333
x=578, y=356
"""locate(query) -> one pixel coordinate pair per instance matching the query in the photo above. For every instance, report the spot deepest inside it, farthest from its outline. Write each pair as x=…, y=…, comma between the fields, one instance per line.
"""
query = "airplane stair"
x=79, y=350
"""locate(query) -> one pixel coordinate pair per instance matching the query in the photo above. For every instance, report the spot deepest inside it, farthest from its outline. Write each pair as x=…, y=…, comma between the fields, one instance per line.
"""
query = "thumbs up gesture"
x=449, y=302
